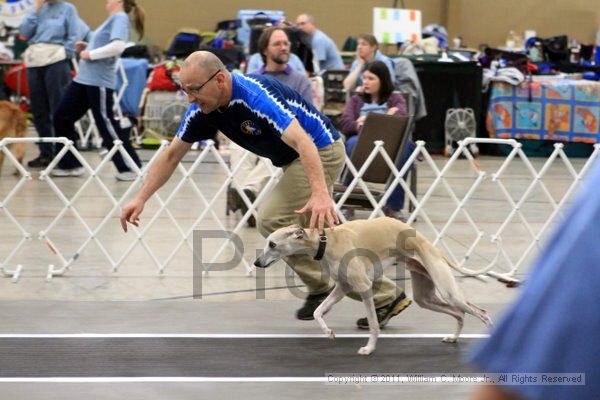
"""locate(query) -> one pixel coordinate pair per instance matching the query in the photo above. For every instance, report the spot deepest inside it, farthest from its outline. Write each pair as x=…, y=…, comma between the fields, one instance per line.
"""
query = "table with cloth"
x=546, y=109
x=136, y=71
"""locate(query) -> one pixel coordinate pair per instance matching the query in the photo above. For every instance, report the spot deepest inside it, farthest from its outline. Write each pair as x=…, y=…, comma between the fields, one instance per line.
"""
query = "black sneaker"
x=244, y=207
x=40, y=162
x=385, y=313
x=310, y=305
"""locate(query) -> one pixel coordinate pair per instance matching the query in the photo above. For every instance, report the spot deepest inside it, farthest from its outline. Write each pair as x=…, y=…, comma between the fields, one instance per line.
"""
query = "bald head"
x=203, y=62
x=307, y=17
x=206, y=81
x=306, y=22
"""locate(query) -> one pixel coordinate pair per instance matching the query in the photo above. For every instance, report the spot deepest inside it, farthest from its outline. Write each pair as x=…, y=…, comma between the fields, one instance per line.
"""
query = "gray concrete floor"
x=90, y=298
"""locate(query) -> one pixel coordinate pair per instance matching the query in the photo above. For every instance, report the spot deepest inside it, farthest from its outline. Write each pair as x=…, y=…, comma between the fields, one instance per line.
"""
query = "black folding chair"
x=394, y=131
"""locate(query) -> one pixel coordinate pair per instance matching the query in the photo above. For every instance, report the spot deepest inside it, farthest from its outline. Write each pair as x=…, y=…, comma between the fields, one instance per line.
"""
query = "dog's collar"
x=321, y=249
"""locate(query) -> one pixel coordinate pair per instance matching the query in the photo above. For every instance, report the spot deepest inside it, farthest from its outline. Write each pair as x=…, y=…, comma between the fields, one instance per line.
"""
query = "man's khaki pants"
x=292, y=193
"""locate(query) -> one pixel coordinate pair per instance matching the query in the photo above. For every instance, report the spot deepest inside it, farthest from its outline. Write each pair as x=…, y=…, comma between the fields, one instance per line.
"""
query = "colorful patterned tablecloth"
x=550, y=109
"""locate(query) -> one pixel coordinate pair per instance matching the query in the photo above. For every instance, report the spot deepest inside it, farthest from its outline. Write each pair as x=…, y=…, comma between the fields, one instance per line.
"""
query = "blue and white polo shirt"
x=260, y=109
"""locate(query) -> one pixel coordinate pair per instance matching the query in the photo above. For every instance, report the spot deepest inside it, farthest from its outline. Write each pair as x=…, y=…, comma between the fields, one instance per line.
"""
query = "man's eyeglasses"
x=193, y=92
x=281, y=44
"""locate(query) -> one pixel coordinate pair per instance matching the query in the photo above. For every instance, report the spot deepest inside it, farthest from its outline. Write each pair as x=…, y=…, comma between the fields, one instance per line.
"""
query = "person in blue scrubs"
x=51, y=30
x=93, y=88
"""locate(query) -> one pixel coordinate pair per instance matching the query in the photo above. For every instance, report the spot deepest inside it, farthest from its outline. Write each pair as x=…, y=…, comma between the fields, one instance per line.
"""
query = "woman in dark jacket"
x=377, y=96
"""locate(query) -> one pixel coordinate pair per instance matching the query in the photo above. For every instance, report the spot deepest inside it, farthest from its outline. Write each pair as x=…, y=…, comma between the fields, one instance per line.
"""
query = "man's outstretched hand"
x=131, y=213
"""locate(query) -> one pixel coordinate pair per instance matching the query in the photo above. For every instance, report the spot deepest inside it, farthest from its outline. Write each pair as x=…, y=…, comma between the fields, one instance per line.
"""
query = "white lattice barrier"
x=206, y=202
x=208, y=205
x=25, y=236
x=524, y=202
x=450, y=210
x=67, y=203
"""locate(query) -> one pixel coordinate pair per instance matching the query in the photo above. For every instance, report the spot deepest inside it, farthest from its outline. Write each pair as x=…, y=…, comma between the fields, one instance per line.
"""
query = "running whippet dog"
x=351, y=253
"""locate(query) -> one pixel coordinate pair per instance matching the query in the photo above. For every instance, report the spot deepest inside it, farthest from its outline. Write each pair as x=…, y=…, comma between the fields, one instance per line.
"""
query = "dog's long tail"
x=474, y=272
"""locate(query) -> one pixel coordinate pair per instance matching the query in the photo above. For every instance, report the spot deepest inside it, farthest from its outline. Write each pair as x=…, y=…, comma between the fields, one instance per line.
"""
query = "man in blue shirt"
x=253, y=174
x=323, y=47
x=272, y=120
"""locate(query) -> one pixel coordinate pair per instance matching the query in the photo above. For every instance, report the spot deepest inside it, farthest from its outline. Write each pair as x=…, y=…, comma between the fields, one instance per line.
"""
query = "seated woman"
x=377, y=96
x=367, y=50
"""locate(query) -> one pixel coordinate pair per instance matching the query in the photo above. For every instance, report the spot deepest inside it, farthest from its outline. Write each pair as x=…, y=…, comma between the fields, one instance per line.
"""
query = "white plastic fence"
x=497, y=236
x=461, y=216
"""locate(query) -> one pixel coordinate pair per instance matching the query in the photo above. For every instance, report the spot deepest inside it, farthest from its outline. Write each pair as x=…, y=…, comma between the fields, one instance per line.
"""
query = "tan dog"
x=353, y=250
x=12, y=124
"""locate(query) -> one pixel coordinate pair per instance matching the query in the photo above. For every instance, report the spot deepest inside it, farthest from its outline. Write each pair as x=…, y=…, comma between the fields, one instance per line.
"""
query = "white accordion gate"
x=461, y=229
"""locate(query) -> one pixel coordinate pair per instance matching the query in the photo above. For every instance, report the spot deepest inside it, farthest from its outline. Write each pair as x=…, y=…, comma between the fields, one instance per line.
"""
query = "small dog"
x=346, y=254
x=12, y=124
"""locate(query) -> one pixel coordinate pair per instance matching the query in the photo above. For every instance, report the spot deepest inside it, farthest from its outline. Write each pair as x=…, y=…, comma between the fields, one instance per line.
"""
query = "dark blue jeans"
x=396, y=199
x=74, y=104
x=46, y=87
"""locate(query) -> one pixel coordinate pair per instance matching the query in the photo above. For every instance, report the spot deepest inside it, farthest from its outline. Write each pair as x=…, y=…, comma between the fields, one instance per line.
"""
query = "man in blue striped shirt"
x=253, y=174
x=274, y=121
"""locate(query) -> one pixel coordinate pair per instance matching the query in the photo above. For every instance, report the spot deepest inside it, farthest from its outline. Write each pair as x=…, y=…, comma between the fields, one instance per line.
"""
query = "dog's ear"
x=300, y=233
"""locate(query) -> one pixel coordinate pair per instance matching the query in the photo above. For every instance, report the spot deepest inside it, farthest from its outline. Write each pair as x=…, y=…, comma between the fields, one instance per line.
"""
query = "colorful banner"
x=395, y=25
x=557, y=109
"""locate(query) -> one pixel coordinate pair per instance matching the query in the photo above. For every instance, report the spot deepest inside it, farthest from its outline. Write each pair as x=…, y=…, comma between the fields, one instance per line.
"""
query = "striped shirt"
x=260, y=110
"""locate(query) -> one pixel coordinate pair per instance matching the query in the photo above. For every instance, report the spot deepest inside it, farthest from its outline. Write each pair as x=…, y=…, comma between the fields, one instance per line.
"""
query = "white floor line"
x=228, y=335
x=159, y=379
x=177, y=379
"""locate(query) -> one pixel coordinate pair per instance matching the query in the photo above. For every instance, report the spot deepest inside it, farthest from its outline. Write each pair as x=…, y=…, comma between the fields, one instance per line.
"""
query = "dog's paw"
x=330, y=333
x=450, y=339
x=365, y=351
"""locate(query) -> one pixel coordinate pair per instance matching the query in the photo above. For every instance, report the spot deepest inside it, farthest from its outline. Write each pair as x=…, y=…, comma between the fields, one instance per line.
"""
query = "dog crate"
x=163, y=112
